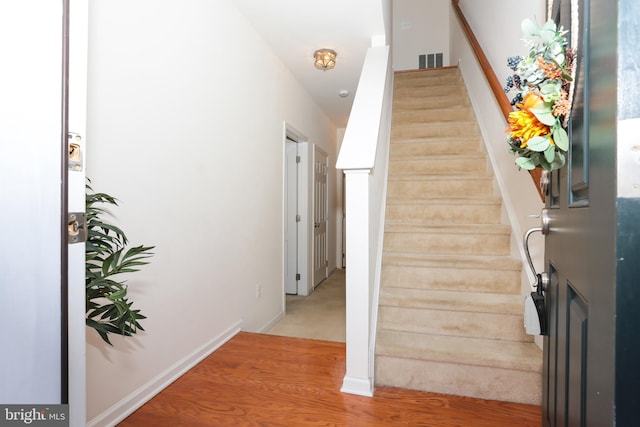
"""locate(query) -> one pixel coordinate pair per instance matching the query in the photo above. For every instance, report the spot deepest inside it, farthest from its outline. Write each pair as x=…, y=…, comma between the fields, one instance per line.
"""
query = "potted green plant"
x=108, y=308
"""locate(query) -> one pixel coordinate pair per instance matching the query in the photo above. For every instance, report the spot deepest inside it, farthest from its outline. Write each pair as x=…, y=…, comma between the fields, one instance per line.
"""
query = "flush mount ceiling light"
x=324, y=59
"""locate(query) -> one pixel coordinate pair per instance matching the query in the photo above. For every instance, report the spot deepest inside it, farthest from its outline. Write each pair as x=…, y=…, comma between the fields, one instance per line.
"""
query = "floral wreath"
x=542, y=83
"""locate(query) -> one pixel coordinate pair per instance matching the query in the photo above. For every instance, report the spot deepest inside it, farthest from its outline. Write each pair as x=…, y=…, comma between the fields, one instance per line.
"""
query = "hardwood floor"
x=266, y=380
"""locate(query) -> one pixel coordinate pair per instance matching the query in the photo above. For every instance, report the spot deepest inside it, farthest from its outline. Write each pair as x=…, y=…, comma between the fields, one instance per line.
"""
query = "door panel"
x=583, y=261
x=31, y=157
x=291, y=211
x=320, y=217
x=576, y=356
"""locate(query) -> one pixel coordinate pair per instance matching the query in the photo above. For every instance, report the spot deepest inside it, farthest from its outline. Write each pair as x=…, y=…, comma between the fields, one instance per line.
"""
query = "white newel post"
x=357, y=379
x=364, y=159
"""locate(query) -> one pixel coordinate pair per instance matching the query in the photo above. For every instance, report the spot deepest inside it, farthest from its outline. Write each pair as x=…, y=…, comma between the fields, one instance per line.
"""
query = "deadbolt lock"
x=77, y=227
x=544, y=218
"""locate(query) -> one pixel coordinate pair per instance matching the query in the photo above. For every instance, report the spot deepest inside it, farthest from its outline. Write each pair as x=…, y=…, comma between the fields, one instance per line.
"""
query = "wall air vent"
x=431, y=60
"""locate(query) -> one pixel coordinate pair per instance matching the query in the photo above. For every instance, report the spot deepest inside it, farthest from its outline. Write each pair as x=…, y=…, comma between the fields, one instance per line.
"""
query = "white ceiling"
x=294, y=29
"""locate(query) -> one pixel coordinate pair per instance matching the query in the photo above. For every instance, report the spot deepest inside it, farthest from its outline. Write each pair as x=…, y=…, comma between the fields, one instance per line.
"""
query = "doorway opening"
x=297, y=280
x=306, y=214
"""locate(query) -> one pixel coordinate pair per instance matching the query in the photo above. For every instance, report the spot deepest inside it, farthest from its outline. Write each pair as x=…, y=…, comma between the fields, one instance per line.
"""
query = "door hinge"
x=298, y=218
x=298, y=159
x=297, y=276
x=77, y=229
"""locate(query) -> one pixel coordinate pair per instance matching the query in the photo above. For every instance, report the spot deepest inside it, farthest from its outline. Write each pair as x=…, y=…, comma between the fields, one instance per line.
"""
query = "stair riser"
x=453, y=323
x=460, y=380
x=436, y=102
x=440, y=214
x=453, y=91
x=452, y=279
x=450, y=81
x=447, y=243
x=474, y=302
x=435, y=130
x=430, y=116
x=454, y=165
x=440, y=188
x=426, y=74
x=436, y=146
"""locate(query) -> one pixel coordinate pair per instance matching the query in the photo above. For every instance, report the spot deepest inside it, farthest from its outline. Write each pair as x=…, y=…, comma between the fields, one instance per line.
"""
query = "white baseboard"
x=142, y=395
x=359, y=386
x=266, y=328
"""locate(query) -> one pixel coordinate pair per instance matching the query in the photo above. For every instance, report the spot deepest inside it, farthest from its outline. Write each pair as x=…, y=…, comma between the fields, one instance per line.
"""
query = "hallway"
x=319, y=316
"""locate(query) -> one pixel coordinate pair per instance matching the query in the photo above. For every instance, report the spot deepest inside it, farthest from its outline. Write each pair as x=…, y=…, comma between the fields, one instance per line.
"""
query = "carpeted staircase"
x=450, y=315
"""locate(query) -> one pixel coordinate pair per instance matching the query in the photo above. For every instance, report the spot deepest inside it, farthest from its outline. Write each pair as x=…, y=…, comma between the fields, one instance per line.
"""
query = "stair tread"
x=443, y=157
x=448, y=229
x=444, y=201
x=440, y=123
x=517, y=355
x=448, y=108
x=501, y=262
x=446, y=300
x=435, y=177
x=426, y=140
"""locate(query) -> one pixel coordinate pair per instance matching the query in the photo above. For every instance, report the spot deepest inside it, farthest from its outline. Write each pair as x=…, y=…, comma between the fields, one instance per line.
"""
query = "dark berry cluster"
x=513, y=61
x=514, y=81
x=509, y=85
x=517, y=99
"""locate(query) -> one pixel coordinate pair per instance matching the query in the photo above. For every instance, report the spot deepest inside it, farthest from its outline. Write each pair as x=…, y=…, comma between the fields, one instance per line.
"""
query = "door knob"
x=544, y=219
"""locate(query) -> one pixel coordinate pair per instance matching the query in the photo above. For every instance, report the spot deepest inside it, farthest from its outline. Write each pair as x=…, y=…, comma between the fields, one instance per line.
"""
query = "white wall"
x=496, y=24
x=500, y=36
x=186, y=111
x=419, y=27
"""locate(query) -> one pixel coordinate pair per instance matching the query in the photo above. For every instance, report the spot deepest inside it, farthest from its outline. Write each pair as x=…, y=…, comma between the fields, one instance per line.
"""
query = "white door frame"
x=304, y=207
x=77, y=119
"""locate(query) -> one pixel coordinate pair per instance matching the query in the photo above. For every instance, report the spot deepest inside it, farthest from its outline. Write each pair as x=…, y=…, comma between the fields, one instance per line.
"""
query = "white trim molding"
x=130, y=403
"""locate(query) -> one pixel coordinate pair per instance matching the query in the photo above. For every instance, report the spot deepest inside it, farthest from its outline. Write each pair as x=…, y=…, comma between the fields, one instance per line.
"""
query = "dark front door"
x=592, y=250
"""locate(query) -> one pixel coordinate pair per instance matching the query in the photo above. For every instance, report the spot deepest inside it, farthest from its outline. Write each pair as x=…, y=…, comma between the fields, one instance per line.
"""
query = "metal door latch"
x=77, y=227
x=75, y=154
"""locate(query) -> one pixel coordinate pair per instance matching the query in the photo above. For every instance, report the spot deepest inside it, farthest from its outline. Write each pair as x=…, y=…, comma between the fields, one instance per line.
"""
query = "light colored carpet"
x=450, y=311
x=320, y=315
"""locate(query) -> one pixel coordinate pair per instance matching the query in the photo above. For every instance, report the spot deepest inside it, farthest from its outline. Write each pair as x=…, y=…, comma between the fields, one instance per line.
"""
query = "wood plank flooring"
x=266, y=380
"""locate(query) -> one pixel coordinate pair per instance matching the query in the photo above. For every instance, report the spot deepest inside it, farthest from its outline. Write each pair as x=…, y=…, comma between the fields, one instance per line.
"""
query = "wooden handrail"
x=492, y=78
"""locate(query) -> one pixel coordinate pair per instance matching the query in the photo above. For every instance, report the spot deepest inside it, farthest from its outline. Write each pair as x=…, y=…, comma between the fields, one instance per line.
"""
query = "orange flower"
x=523, y=124
x=551, y=70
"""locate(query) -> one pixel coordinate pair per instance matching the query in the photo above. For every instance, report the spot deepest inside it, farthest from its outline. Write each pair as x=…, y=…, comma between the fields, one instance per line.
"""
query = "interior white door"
x=320, y=217
x=31, y=158
x=42, y=361
x=290, y=222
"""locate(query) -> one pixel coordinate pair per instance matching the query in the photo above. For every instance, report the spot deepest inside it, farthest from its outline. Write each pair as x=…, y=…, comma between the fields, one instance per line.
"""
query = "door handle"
x=535, y=316
x=542, y=279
